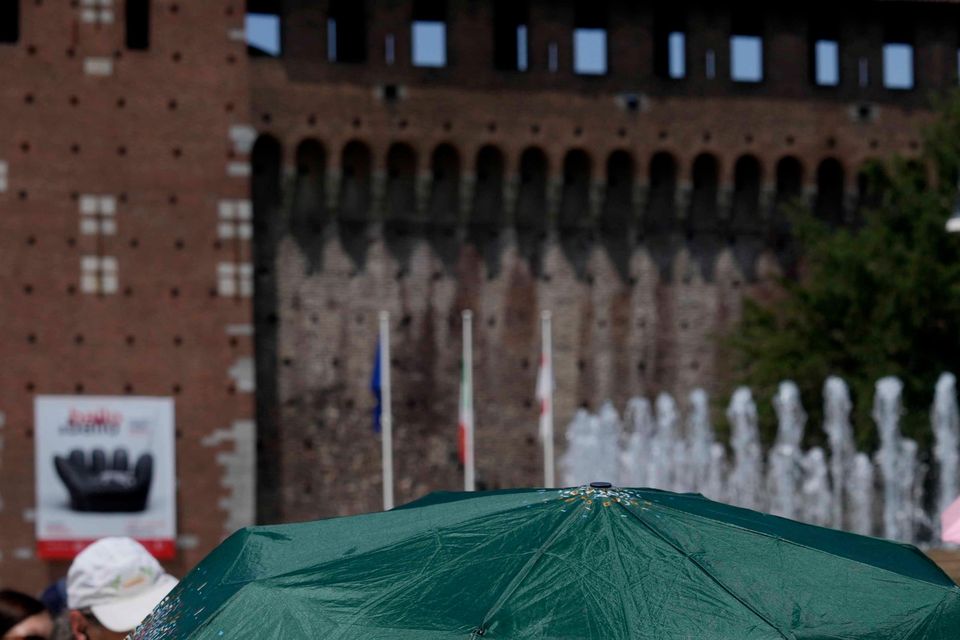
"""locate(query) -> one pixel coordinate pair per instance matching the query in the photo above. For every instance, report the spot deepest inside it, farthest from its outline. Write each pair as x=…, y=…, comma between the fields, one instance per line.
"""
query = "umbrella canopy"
x=590, y=562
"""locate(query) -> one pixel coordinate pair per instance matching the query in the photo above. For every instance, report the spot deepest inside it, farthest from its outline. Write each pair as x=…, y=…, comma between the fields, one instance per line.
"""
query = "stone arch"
x=661, y=216
x=617, y=215
x=532, y=194
x=266, y=160
x=487, y=207
x=308, y=213
x=872, y=181
x=704, y=205
x=443, y=209
x=356, y=165
x=746, y=216
x=575, y=199
x=831, y=186
x=401, y=189
x=789, y=194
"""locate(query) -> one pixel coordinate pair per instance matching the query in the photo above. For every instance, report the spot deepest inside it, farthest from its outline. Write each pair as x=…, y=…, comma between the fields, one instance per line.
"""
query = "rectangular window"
x=898, y=66
x=9, y=20
x=827, y=63
x=710, y=64
x=669, y=44
x=590, y=51
x=863, y=73
x=510, y=24
x=590, y=37
x=263, y=34
x=138, y=24
x=677, y=61
x=428, y=33
x=429, y=44
x=347, y=32
x=746, y=58
x=553, y=57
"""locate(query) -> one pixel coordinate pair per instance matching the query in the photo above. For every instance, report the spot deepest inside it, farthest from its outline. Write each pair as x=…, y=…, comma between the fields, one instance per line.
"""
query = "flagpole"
x=547, y=417
x=469, y=464
x=386, y=419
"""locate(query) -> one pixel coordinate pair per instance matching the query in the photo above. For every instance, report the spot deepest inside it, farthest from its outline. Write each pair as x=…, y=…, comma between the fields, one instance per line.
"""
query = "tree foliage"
x=880, y=297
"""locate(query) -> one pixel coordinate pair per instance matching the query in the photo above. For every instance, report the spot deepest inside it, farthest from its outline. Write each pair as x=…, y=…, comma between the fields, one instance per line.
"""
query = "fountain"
x=660, y=449
x=700, y=442
x=861, y=495
x=746, y=477
x=836, y=424
x=667, y=451
x=946, y=428
x=785, y=475
x=816, y=497
x=635, y=459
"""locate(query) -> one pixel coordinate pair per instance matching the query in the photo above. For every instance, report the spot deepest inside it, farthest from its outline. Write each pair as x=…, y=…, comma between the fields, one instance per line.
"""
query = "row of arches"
x=402, y=194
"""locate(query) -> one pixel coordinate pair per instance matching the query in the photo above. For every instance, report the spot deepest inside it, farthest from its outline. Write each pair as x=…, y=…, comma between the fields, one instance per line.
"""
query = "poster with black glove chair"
x=104, y=467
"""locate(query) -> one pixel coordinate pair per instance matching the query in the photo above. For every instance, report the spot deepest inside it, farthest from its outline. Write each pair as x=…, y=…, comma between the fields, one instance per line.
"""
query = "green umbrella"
x=591, y=562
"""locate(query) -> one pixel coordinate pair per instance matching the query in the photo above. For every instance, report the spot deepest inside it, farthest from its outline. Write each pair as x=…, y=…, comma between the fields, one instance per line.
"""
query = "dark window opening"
x=789, y=181
x=590, y=37
x=347, y=32
x=898, y=63
x=138, y=24
x=670, y=45
x=9, y=20
x=511, y=20
x=746, y=48
x=428, y=33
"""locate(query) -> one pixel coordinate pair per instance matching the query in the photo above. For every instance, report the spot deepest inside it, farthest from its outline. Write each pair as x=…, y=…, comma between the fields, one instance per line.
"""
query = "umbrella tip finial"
x=600, y=485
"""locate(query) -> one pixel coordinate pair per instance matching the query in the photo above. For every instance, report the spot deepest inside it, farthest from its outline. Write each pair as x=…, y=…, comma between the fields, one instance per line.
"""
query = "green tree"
x=881, y=297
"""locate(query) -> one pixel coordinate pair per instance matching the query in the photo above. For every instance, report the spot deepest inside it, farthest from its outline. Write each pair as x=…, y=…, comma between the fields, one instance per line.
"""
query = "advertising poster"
x=104, y=467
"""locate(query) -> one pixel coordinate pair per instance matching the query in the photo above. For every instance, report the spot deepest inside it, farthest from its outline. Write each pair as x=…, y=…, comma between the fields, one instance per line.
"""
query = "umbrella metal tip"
x=600, y=485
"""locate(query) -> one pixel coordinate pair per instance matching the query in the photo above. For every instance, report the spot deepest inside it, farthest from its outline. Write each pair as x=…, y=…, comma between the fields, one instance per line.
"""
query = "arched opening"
x=789, y=180
x=308, y=212
x=704, y=218
x=401, y=198
x=266, y=159
x=617, y=214
x=830, y=190
x=661, y=214
x=872, y=181
x=532, y=195
x=488, y=194
x=575, y=200
x=444, y=204
x=355, y=165
x=746, y=216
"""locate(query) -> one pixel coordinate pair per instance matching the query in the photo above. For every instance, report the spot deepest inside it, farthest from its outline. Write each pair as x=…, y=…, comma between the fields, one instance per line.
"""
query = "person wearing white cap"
x=112, y=586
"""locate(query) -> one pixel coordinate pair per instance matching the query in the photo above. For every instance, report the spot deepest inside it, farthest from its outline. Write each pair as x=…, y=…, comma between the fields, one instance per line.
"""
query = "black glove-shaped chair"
x=96, y=484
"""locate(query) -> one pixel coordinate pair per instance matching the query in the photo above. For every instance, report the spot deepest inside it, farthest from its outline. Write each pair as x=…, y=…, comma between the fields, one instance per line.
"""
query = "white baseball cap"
x=119, y=581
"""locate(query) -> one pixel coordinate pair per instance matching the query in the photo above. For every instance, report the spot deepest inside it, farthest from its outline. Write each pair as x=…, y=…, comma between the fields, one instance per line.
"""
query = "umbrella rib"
x=524, y=571
x=705, y=572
